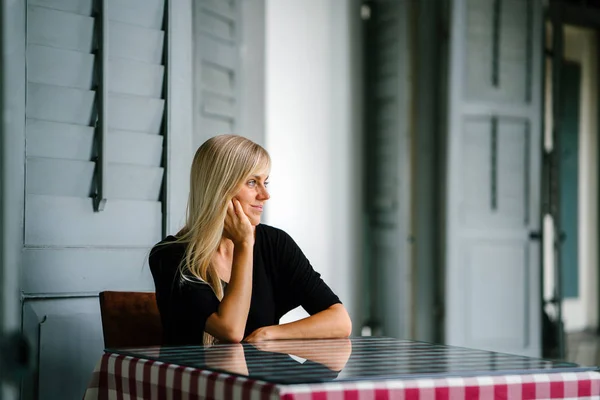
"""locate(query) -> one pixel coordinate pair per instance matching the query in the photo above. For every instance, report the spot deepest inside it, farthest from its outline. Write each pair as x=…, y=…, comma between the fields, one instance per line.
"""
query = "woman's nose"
x=263, y=193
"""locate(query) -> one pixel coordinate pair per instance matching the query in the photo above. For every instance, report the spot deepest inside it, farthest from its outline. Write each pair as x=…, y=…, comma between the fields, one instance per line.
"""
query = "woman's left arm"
x=333, y=322
x=298, y=284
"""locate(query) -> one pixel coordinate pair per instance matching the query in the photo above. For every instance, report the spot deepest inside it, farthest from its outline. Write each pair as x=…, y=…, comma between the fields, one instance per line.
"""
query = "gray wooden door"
x=387, y=91
x=493, y=176
x=70, y=251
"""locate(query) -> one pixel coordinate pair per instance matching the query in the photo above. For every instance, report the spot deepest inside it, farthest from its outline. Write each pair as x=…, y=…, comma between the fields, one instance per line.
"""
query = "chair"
x=130, y=319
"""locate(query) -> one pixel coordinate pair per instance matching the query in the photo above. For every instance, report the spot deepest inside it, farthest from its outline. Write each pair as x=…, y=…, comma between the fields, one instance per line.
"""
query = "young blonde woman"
x=225, y=276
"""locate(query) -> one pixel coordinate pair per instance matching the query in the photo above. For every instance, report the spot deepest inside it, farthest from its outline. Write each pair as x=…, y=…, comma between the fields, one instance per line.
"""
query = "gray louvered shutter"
x=217, y=42
x=71, y=252
x=493, y=170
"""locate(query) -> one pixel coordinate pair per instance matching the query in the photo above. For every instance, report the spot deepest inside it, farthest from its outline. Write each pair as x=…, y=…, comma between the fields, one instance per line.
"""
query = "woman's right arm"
x=228, y=323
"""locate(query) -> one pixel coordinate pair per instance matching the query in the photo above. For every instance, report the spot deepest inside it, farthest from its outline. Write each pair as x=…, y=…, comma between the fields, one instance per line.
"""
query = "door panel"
x=493, y=176
x=494, y=161
x=497, y=272
x=497, y=54
x=65, y=334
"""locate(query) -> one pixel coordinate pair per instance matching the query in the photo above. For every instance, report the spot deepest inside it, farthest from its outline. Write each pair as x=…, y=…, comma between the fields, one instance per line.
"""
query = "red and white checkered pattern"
x=120, y=377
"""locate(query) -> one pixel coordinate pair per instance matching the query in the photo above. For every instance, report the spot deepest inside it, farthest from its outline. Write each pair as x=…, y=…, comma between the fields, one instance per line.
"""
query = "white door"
x=493, y=176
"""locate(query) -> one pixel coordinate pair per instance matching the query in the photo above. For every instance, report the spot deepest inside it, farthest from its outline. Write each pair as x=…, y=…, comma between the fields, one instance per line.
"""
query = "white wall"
x=312, y=134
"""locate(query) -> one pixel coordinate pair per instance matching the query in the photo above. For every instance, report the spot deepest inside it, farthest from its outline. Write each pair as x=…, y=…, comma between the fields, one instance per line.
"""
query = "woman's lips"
x=257, y=208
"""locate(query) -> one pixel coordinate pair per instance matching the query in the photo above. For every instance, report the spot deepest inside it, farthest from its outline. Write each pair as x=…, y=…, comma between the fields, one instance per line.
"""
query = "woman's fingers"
x=239, y=211
x=238, y=208
x=237, y=226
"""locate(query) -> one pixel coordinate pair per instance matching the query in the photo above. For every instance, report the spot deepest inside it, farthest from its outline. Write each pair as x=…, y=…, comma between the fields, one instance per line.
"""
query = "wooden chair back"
x=130, y=319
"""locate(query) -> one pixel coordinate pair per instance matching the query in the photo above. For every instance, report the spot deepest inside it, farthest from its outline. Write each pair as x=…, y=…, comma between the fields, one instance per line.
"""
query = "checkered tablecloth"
x=121, y=377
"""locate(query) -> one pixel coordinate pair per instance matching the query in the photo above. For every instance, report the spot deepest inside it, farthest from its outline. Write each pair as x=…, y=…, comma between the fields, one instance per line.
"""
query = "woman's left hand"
x=264, y=333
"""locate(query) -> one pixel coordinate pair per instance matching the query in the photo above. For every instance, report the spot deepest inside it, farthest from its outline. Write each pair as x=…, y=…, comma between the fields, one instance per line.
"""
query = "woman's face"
x=252, y=196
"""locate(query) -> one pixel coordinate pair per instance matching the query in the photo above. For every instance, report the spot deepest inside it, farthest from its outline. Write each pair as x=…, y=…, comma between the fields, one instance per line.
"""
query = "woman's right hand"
x=237, y=226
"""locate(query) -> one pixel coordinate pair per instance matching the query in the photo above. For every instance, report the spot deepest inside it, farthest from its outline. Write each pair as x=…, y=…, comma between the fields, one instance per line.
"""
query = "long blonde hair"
x=220, y=166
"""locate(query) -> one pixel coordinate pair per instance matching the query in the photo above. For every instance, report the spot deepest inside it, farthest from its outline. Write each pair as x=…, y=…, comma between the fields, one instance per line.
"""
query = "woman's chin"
x=254, y=221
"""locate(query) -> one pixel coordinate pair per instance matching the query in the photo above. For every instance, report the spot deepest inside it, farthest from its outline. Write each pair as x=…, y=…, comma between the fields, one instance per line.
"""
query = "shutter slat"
x=222, y=8
x=134, y=182
x=59, y=29
x=59, y=104
x=131, y=113
x=140, y=79
x=59, y=140
x=71, y=221
x=217, y=80
x=218, y=53
x=58, y=177
x=144, y=13
x=83, y=7
x=135, y=43
x=218, y=26
x=59, y=67
x=219, y=107
x=148, y=148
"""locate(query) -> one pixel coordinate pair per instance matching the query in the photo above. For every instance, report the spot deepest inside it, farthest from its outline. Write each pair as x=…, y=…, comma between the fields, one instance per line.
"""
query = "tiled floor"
x=583, y=348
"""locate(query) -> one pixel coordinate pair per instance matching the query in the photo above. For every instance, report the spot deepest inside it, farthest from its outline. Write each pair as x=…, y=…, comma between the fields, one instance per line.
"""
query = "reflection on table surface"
x=360, y=358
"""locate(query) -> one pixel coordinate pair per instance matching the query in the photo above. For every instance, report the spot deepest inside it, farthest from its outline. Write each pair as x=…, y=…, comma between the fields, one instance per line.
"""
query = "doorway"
x=570, y=266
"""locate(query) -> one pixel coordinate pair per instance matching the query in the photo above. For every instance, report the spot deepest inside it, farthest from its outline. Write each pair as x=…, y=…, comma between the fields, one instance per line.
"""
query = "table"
x=344, y=369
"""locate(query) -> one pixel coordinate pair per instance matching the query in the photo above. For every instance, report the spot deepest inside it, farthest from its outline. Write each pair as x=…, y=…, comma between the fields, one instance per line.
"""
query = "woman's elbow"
x=224, y=331
x=344, y=321
x=347, y=326
x=231, y=336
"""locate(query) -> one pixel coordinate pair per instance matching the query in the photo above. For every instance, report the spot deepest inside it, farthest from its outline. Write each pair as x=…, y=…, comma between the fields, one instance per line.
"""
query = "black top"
x=282, y=279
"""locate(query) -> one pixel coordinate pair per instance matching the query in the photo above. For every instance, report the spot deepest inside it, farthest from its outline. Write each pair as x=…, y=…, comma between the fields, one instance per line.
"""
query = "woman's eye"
x=252, y=183
x=267, y=183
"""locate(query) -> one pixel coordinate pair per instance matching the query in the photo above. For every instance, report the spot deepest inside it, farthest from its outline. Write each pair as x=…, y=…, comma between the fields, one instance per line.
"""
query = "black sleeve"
x=303, y=283
x=184, y=306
